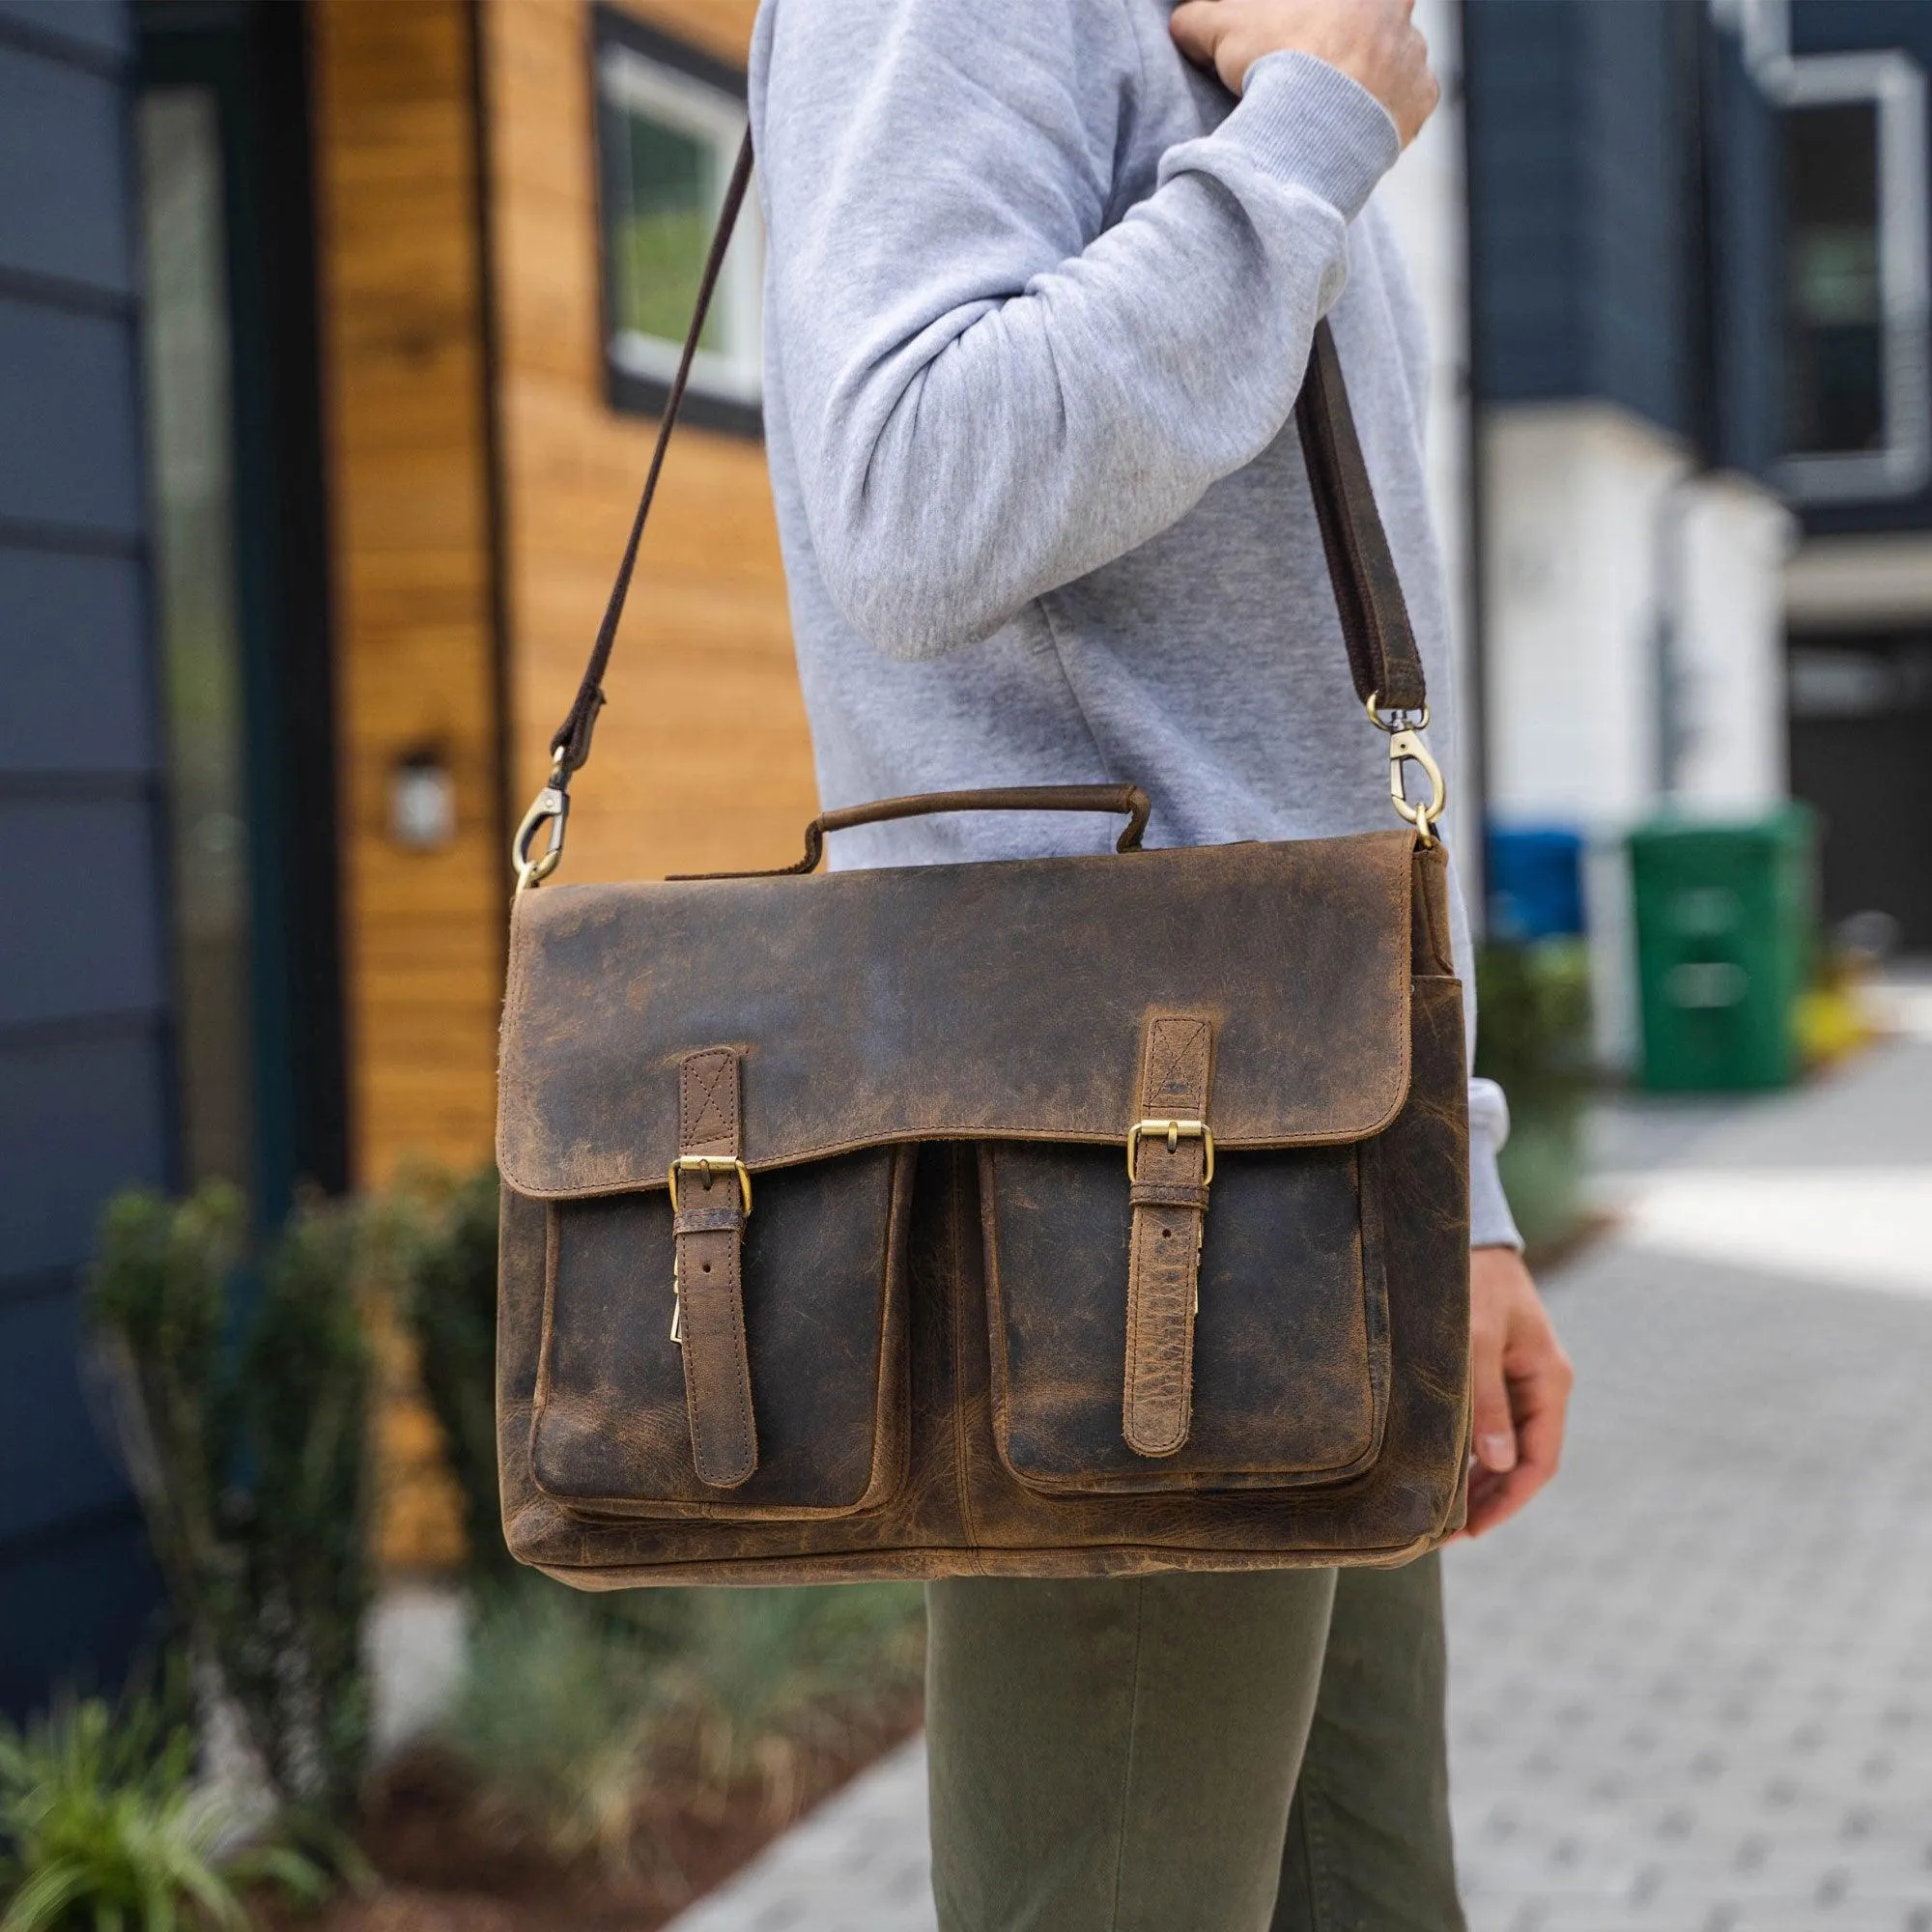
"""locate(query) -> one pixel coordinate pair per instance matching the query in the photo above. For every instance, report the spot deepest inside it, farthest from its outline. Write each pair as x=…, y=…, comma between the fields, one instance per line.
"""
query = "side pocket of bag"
x=825, y=1324
x=1291, y=1360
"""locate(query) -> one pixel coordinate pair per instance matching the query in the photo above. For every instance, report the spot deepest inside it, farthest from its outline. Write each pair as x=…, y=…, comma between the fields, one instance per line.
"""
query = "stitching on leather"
x=715, y=1093
x=1171, y=1045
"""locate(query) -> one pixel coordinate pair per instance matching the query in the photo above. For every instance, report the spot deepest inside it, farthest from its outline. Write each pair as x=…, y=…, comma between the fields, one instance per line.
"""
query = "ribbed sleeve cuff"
x=1307, y=122
x=1491, y=1225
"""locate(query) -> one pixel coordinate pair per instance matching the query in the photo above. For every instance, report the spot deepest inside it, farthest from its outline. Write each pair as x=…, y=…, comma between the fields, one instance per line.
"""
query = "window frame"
x=726, y=392
x=1895, y=83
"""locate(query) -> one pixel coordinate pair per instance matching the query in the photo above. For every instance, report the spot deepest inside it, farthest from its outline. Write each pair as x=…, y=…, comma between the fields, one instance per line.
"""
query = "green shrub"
x=1533, y=1037
x=251, y=1460
x=573, y=1710
x=764, y=1676
x=553, y=1718
x=102, y=1826
x=303, y=1403
x=448, y=1261
x=1533, y=1023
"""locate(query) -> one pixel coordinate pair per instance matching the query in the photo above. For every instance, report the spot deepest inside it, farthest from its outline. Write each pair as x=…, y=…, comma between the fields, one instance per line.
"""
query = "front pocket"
x=1290, y=1341
x=824, y=1298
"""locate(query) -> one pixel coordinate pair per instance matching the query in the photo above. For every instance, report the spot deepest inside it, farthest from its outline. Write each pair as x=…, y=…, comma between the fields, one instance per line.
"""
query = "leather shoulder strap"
x=1382, y=658
x=569, y=744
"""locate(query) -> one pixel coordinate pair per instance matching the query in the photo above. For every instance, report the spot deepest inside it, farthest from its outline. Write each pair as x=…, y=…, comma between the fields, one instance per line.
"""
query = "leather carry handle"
x=1124, y=798
x=1382, y=658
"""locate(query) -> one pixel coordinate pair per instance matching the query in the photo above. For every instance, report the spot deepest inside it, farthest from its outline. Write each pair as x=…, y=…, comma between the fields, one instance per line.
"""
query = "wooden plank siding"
x=409, y=450
x=703, y=757
x=702, y=760
x=407, y=412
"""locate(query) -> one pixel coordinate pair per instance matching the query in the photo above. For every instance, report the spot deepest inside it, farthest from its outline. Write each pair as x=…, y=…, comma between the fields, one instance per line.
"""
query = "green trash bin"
x=1727, y=916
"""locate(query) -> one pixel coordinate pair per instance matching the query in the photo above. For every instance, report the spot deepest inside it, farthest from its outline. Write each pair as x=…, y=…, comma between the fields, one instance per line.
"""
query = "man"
x=1042, y=280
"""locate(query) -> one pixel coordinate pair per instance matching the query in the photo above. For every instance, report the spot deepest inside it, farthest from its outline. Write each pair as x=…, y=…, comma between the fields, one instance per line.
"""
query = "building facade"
x=332, y=338
x=1698, y=239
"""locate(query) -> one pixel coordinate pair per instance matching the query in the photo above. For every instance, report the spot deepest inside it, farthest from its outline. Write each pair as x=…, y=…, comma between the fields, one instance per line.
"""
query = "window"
x=191, y=466
x=1855, y=422
x=670, y=121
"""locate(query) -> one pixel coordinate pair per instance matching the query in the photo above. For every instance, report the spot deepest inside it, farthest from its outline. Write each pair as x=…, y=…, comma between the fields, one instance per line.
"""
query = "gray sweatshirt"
x=1038, y=300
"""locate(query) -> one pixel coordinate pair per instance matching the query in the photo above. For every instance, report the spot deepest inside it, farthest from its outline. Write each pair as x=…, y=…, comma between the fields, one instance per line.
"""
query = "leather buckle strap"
x=1170, y=1164
x=707, y=1279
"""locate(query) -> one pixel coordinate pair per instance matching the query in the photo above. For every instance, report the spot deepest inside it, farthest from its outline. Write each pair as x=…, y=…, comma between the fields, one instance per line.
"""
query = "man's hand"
x=1522, y=1381
x=1372, y=42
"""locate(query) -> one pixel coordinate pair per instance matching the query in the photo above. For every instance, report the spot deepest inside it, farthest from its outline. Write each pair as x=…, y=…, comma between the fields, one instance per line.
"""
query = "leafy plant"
x=573, y=1711
x=554, y=1717
x=303, y=1407
x=158, y=1299
x=766, y=1677
x=1533, y=1023
x=449, y=1262
x=1533, y=1035
x=251, y=1461
x=103, y=1826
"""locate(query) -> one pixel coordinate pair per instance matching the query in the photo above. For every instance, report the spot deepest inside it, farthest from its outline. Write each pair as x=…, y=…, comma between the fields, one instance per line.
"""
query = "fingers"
x=1494, y=1427
x=1520, y=1382
x=1197, y=27
x=1541, y=1402
x=1540, y=1411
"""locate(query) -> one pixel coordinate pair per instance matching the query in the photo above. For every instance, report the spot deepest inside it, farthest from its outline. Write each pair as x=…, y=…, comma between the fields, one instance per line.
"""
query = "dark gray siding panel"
x=84, y=1094
x=1638, y=169
x=77, y=659
x=60, y=137
x=1846, y=26
x=97, y=27
x=60, y=1469
x=1524, y=61
x=1743, y=264
x=73, y=1601
x=82, y=935
x=68, y=423
x=1578, y=187
x=82, y=1115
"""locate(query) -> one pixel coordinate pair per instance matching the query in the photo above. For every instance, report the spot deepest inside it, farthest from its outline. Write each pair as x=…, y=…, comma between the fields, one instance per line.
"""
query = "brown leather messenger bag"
x=1042, y=1217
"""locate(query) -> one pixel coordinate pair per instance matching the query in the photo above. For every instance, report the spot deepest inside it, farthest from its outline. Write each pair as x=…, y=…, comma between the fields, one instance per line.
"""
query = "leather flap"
x=997, y=1000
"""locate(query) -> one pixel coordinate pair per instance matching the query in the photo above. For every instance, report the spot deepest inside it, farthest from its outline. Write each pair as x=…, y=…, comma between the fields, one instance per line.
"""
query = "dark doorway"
x=1860, y=718
x=235, y=462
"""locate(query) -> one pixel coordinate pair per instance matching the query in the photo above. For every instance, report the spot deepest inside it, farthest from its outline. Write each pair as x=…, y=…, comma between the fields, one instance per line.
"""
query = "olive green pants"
x=1257, y=1751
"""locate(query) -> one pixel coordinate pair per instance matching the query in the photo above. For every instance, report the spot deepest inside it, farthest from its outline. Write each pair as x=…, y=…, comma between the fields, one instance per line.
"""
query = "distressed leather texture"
x=937, y=1070
x=1168, y=1194
x=708, y=1238
x=985, y=1001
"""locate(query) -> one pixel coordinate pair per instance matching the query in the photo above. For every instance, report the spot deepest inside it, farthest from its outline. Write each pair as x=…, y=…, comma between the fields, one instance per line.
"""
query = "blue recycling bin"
x=1535, y=883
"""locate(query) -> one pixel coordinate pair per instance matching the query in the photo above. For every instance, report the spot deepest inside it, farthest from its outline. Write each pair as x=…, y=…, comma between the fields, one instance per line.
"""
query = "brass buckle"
x=705, y=1164
x=1174, y=1132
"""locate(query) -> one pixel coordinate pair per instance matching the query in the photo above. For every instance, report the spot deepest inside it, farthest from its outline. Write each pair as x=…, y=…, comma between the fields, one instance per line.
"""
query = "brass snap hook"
x=552, y=807
x=1406, y=748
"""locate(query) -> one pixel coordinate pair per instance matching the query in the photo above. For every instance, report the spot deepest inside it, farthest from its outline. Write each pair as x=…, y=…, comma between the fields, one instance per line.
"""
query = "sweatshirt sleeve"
x=1491, y=1225
x=995, y=379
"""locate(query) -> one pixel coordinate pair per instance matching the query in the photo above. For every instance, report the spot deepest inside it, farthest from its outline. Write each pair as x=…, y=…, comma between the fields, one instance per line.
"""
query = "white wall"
x=1574, y=499
x=1728, y=654
x=1607, y=560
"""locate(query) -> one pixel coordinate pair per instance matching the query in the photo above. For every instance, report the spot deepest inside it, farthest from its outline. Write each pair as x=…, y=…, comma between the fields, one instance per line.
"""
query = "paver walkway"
x=1692, y=1687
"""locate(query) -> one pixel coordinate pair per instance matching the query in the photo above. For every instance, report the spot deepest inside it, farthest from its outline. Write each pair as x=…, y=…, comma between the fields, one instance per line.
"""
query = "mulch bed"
x=444, y=1867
